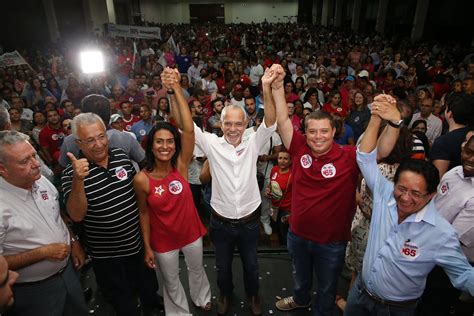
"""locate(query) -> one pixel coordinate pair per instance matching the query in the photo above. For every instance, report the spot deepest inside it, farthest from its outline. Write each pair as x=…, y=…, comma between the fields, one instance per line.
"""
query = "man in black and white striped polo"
x=99, y=193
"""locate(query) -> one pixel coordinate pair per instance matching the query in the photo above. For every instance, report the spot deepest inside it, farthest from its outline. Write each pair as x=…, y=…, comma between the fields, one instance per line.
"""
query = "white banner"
x=133, y=31
x=12, y=59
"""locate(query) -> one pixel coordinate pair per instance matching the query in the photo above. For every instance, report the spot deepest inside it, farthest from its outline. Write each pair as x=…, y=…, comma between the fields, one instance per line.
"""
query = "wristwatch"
x=74, y=238
x=396, y=124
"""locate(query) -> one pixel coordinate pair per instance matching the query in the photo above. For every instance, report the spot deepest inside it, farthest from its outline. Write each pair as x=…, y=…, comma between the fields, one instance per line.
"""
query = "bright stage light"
x=92, y=62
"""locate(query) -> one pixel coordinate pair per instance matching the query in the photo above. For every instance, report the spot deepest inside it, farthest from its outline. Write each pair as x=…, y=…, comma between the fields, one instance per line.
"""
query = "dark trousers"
x=282, y=227
x=226, y=237
x=60, y=295
x=439, y=294
x=196, y=190
x=120, y=279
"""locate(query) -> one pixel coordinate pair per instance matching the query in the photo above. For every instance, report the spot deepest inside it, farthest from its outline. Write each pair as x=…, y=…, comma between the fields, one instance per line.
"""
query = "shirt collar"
x=458, y=170
x=18, y=192
x=426, y=214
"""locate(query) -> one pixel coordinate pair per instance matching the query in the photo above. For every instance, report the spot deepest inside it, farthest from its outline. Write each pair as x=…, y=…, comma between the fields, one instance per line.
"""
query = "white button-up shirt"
x=28, y=220
x=235, y=192
x=455, y=202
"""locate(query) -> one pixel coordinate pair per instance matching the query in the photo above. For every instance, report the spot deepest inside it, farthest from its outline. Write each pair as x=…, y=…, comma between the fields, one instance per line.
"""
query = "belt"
x=57, y=274
x=408, y=303
x=239, y=221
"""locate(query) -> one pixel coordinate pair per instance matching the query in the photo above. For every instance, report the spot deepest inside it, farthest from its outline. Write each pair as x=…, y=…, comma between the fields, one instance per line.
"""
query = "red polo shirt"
x=51, y=139
x=323, y=201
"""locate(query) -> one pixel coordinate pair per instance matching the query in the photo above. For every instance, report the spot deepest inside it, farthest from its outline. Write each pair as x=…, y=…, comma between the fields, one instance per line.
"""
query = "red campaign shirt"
x=174, y=220
x=138, y=98
x=284, y=182
x=344, y=97
x=125, y=63
x=323, y=202
x=51, y=138
x=127, y=125
x=341, y=111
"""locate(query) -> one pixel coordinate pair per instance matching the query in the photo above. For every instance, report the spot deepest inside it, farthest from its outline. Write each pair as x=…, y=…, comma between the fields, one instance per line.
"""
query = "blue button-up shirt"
x=399, y=257
x=141, y=129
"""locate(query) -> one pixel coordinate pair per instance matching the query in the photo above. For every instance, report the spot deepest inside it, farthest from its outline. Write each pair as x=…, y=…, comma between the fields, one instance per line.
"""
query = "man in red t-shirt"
x=323, y=204
x=134, y=95
x=51, y=137
x=128, y=118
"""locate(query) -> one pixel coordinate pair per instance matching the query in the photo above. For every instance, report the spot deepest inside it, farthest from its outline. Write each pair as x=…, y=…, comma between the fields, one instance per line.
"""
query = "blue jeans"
x=359, y=303
x=226, y=237
x=326, y=260
x=60, y=295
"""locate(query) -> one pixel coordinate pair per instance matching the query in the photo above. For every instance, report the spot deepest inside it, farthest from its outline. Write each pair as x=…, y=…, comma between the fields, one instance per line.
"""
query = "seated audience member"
x=142, y=127
x=100, y=105
x=446, y=150
x=434, y=124
x=51, y=137
x=128, y=118
x=279, y=190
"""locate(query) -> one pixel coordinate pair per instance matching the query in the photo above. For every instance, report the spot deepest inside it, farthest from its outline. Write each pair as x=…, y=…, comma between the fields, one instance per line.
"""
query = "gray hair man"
x=33, y=237
x=98, y=191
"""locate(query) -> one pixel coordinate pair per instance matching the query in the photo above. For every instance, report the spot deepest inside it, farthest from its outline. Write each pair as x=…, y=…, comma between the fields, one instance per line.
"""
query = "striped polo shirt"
x=111, y=225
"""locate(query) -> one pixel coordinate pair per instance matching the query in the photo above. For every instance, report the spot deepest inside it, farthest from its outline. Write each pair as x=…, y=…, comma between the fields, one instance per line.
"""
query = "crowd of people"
x=333, y=141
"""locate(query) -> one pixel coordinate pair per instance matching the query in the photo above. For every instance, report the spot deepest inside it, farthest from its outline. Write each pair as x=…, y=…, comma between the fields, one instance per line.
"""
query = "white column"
x=51, y=20
x=381, y=16
x=356, y=15
x=111, y=11
x=420, y=19
x=338, y=13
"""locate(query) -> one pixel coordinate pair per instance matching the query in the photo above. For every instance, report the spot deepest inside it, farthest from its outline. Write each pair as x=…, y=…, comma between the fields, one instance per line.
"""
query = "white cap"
x=363, y=73
x=114, y=118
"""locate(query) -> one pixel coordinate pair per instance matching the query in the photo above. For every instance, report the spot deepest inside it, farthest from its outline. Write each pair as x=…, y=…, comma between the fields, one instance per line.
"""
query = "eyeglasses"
x=91, y=140
x=414, y=194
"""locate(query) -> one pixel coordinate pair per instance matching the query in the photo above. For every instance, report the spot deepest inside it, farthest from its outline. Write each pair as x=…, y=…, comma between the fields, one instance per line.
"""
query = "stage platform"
x=275, y=281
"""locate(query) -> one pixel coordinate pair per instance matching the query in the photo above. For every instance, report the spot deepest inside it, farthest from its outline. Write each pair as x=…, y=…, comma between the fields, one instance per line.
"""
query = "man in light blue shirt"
x=142, y=127
x=407, y=236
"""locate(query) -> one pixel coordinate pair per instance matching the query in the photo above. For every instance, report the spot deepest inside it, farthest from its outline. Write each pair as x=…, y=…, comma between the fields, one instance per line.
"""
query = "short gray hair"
x=235, y=107
x=4, y=118
x=8, y=138
x=85, y=119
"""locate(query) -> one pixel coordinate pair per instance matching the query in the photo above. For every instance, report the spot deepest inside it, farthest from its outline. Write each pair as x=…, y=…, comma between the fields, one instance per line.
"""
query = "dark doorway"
x=207, y=13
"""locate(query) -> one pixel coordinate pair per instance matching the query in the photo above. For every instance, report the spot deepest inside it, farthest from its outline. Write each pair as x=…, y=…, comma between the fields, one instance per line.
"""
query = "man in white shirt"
x=34, y=240
x=26, y=114
x=256, y=71
x=434, y=124
x=194, y=71
x=235, y=194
